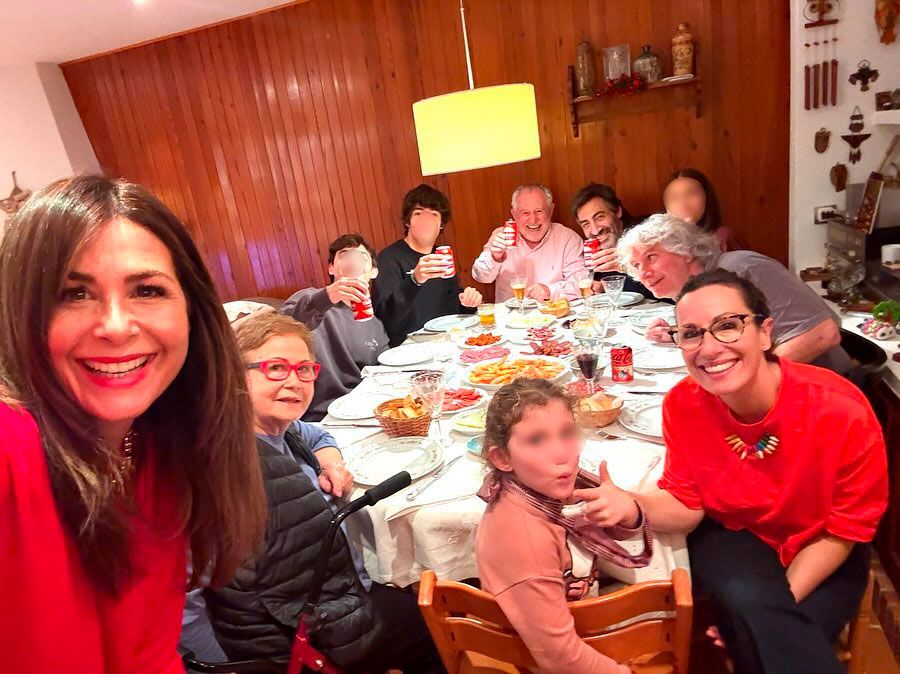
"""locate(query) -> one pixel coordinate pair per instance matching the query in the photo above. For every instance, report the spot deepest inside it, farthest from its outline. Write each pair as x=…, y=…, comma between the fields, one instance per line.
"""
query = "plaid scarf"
x=600, y=541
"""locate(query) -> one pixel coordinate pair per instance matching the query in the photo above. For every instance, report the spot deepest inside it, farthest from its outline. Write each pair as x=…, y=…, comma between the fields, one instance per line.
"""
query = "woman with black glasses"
x=363, y=625
x=778, y=470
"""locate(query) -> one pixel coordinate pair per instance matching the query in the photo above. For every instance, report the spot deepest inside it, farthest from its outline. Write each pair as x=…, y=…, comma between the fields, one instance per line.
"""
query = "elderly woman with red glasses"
x=364, y=626
x=778, y=471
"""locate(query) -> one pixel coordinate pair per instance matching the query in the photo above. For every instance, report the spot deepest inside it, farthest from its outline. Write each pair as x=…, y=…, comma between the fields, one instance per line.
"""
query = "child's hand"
x=607, y=505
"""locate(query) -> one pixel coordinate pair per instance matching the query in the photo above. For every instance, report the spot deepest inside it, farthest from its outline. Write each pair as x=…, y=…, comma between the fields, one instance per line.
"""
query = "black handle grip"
x=390, y=486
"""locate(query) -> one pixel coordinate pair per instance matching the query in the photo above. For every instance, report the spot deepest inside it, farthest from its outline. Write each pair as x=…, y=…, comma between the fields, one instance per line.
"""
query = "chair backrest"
x=463, y=619
x=869, y=358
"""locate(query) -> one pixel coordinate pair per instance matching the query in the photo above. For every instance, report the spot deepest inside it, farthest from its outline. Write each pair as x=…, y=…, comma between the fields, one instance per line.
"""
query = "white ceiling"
x=53, y=31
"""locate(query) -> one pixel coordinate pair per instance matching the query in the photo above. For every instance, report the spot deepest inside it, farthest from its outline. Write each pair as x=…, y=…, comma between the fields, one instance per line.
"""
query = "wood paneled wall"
x=273, y=134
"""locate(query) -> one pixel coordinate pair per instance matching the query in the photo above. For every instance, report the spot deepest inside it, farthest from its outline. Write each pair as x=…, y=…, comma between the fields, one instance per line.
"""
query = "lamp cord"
x=462, y=15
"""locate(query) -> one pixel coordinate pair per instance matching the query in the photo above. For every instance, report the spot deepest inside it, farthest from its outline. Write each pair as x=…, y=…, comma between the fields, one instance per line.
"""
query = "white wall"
x=858, y=39
x=41, y=135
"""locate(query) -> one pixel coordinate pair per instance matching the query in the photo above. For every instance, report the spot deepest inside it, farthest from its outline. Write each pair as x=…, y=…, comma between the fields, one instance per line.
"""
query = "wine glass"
x=429, y=386
x=587, y=355
x=517, y=283
x=613, y=285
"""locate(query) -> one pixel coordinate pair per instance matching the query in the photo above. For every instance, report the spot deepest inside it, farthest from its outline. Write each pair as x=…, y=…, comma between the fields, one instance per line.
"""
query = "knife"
x=434, y=478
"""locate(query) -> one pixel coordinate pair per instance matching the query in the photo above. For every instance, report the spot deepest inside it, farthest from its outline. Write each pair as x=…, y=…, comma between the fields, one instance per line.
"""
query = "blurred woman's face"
x=543, y=450
x=119, y=333
x=277, y=403
x=685, y=198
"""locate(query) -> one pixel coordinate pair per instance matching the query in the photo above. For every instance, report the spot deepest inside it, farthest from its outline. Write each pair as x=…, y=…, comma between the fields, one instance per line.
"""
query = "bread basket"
x=397, y=428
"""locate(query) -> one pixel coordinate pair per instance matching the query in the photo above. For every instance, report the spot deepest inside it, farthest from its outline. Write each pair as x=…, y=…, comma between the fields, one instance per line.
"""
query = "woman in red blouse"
x=125, y=433
x=779, y=471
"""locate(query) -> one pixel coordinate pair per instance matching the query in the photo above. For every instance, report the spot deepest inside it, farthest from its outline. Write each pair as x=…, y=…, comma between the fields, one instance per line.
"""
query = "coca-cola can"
x=511, y=232
x=622, y=363
x=591, y=246
x=451, y=265
x=362, y=311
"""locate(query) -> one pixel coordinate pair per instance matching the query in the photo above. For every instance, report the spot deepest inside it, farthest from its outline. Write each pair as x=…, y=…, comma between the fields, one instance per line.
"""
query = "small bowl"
x=599, y=418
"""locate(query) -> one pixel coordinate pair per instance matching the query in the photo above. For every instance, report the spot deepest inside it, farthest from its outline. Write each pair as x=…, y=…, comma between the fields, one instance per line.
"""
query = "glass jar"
x=647, y=65
x=682, y=51
x=585, y=75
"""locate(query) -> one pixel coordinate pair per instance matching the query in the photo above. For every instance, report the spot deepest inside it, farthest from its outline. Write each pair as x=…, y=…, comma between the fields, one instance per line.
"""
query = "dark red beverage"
x=622, y=362
x=587, y=363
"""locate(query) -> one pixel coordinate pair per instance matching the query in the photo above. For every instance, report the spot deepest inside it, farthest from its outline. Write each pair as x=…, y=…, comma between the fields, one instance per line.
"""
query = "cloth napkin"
x=461, y=481
x=627, y=460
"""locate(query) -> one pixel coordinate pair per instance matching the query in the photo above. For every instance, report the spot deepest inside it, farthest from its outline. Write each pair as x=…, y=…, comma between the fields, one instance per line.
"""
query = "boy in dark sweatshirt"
x=411, y=289
x=343, y=345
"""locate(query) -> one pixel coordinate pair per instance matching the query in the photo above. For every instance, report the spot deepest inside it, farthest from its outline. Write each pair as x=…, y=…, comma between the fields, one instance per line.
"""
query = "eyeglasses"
x=279, y=369
x=727, y=330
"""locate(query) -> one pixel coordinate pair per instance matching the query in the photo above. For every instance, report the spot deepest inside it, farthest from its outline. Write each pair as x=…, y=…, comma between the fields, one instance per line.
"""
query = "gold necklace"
x=128, y=450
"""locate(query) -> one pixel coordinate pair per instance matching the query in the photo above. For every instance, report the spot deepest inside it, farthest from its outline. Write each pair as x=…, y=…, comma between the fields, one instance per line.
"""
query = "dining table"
x=401, y=537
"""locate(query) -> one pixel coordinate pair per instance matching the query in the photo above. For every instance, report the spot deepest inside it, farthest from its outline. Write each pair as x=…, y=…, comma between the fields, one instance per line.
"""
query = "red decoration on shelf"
x=621, y=86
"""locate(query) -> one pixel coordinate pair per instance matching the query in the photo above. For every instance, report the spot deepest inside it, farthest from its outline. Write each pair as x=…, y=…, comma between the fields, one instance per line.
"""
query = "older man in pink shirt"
x=548, y=255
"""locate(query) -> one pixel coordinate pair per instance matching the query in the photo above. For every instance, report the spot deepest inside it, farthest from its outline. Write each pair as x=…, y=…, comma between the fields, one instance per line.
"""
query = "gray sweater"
x=343, y=346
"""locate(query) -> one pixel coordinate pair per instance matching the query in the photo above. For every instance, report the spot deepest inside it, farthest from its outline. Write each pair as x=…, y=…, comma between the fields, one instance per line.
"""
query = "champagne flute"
x=613, y=286
x=517, y=283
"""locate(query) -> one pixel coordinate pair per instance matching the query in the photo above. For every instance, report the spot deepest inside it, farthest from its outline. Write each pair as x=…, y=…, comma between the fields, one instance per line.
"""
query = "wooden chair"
x=473, y=635
x=854, y=648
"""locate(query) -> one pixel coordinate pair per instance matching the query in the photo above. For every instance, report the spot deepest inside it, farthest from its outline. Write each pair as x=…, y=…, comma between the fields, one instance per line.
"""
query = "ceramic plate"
x=513, y=303
x=461, y=340
x=470, y=423
x=640, y=321
x=407, y=354
x=355, y=406
x=447, y=323
x=564, y=370
x=482, y=399
x=643, y=416
x=380, y=459
x=658, y=357
x=531, y=320
x=626, y=299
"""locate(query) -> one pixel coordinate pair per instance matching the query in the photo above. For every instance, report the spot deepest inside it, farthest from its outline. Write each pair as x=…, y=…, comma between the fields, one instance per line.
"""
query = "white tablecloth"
x=439, y=533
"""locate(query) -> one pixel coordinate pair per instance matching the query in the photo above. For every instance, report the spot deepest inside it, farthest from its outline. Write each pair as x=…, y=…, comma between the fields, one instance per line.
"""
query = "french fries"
x=504, y=371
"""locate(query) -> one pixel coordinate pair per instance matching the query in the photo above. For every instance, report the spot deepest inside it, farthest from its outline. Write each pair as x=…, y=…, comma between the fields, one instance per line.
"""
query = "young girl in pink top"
x=533, y=555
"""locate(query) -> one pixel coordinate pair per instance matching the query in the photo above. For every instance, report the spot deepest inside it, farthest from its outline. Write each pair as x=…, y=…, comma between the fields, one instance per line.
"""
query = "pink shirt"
x=557, y=262
x=522, y=557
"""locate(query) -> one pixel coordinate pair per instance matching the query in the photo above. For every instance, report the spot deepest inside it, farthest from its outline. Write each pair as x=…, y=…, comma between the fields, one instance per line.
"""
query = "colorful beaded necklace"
x=766, y=445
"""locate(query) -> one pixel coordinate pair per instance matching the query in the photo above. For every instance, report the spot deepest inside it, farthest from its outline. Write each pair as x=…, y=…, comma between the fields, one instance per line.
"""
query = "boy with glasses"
x=344, y=343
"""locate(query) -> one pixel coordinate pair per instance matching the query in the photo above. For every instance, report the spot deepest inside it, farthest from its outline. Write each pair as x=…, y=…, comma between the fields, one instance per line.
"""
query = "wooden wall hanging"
x=864, y=74
x=855, y=139
x=886, y=13
x=820, y=71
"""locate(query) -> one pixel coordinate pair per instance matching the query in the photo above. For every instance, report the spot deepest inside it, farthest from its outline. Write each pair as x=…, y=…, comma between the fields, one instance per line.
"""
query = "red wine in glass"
x=587, y=363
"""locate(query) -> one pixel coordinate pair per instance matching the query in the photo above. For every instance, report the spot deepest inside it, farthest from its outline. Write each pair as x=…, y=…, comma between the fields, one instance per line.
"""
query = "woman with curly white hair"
x=663, y=252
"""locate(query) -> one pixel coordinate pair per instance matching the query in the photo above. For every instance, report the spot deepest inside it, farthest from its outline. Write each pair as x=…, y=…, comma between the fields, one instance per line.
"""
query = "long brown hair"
x=200, y=426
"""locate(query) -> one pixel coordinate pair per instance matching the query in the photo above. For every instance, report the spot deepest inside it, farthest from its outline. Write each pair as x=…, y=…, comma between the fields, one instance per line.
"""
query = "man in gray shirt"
x=343, y=345
x=663, y=252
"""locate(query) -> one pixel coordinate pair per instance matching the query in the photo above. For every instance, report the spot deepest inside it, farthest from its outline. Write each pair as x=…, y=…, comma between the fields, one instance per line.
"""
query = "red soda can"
x=451, y=266
x=591, y=246
x=622, y=361
x=511, y=232
x=362, y=311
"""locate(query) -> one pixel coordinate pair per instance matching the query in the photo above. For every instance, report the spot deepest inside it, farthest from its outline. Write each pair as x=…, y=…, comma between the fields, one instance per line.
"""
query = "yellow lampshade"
x=477, y=128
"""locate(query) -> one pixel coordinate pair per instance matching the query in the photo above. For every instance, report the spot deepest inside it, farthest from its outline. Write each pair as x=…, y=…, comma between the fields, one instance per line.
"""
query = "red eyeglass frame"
x=263, y=366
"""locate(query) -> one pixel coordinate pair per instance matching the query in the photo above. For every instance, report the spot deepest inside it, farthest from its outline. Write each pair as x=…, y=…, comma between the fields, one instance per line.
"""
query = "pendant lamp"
x=476, y=128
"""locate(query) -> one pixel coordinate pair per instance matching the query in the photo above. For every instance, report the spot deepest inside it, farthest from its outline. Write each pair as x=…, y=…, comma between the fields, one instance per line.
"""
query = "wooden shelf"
x=886, y=117
x=654, y=98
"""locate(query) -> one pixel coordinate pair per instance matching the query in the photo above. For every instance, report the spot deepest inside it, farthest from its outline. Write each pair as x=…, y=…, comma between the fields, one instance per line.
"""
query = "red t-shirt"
x=52, y=620
x=829, y=471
